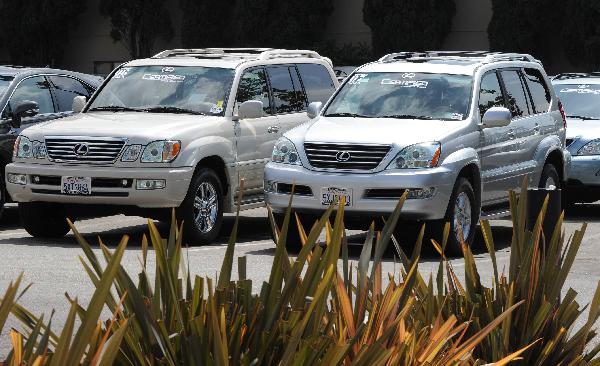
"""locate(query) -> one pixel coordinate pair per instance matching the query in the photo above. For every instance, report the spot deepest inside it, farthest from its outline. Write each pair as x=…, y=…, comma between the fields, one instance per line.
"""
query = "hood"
x=589, y=129
x=145, y=126
x=402, y=132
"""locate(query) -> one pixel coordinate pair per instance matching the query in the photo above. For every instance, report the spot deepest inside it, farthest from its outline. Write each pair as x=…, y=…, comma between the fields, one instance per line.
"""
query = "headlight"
x=27, y=149
x=419, y=156
x=131, y=153
x=161, y=151
x=285, y=152
x=591, y=148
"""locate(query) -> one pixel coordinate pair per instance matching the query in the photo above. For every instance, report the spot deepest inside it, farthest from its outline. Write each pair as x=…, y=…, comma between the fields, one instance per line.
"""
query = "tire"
x=44, y=220
x=463, y=212
x=549, y=177
x=202, y=209
x=293, y=244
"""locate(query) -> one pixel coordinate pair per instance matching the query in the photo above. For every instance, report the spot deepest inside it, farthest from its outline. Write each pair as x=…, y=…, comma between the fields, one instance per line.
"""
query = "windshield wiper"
x=585, y=118
x=172, y=109
x=114, y=108
x=346, y=114
x=405, y=116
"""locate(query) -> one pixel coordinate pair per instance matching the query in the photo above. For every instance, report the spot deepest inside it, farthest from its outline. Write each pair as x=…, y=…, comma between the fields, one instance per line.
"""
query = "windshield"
x=5, y=81
x=404, y=96
x=580, y=100
x=166, y=89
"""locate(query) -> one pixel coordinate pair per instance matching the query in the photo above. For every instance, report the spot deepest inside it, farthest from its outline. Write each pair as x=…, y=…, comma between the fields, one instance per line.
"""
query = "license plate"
x=331, y=195
x=76, y=185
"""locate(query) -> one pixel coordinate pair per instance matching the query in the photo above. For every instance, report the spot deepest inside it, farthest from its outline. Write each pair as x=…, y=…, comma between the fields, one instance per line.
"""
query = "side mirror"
x=250, y=109
x=314, y=109
x=79, y=103
x=25, y=108
x=496, y=117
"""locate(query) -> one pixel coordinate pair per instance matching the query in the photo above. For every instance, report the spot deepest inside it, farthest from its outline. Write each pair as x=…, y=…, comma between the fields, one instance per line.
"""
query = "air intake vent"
x=92, y=150
x=345, y=156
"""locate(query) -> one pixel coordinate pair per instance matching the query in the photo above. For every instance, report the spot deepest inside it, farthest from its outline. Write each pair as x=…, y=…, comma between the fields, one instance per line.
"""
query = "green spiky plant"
x=306, y=313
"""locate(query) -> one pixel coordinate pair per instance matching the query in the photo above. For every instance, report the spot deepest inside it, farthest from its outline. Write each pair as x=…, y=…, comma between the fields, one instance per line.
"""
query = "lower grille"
x=101, y=150
x=299, y=190
x=345, y=156
x=384, y=193
x=54, y=180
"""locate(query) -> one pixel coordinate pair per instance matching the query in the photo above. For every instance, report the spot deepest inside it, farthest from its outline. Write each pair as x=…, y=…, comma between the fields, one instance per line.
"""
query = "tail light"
x=562, y=113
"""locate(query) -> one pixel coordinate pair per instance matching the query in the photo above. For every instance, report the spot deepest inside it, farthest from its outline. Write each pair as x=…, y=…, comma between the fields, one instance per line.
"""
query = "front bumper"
x=441, y=179
x=48, y=190
x=584, y=179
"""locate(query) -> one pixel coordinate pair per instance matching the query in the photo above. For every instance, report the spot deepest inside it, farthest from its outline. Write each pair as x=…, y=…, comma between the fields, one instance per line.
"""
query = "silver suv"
x=180, y=129
x=455, y=130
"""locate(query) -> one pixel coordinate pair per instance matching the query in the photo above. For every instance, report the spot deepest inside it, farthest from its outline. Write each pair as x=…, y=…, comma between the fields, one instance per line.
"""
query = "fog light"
x=270, y=186
x=148, y=184
x=17, y=178
x=420, y=193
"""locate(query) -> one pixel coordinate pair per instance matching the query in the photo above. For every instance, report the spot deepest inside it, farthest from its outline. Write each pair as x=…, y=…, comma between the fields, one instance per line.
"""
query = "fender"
x=548, y=145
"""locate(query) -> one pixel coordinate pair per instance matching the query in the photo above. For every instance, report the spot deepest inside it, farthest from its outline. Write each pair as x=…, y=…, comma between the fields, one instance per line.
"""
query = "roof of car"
x=223, y=57
x=577, y=78
x=453, y=62
x=14, y=71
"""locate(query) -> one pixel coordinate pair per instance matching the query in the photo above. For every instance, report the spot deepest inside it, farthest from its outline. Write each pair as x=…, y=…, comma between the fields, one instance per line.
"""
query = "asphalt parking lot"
x=53, y=267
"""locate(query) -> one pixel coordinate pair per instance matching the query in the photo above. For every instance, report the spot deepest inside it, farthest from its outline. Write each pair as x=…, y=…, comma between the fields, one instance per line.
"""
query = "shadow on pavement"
x=583, y=213
x=250, y=229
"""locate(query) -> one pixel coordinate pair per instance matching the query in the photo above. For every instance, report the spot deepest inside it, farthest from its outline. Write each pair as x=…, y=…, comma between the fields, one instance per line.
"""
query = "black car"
x=32, y=95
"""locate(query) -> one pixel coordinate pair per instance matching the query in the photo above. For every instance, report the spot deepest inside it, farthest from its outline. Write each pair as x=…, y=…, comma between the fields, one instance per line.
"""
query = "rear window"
x=317, y=82
x=540, y=94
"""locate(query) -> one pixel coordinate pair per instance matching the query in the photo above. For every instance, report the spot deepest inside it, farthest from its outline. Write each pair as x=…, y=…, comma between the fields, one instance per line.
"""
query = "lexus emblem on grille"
x=342, y=156
x=81, y=149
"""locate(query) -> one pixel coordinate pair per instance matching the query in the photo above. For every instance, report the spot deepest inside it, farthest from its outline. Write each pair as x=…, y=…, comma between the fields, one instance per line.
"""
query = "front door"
x=254, y=137
x=497, y=144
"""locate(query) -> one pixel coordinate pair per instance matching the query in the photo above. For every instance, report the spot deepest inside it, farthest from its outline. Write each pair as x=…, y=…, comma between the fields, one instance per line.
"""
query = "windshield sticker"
x=220, y=103
x=581, y=90
x=164, y=78
x=121, y=73
x=216, y=109
x=457, y=116
x=168, y=69
x=406, y=83
x=358, y=79
x=408, y=75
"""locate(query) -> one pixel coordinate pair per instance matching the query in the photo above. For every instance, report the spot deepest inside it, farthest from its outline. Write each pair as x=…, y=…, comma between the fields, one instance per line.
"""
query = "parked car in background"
x=454, y=130
x=32, y=95
x=580, y=95
x=178, y=130
x=342, y=72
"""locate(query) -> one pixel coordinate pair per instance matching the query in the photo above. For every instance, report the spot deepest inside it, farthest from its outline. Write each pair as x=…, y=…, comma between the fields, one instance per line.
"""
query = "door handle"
x=511, y=134
x=273, y=129
x=537, y=128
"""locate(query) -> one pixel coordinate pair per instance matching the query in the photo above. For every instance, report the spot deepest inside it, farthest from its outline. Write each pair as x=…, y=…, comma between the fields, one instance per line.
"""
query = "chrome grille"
x=101, y=150
x=345, y=156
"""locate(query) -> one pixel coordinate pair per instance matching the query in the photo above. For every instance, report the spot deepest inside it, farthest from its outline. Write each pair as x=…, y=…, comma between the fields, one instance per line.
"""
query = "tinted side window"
x=317, y=82
x=538, y=89
x=65, y=89
x=36, y=89
x=298, y=90
x=517, y=102
x=287, y=99
x=490, y=94
x=253, y=86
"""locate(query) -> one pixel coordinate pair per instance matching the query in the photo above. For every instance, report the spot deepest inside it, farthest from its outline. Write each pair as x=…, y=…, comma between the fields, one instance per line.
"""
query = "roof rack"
x=575, y=75
x=487, y=56
x=211, y=52
x=256, y=53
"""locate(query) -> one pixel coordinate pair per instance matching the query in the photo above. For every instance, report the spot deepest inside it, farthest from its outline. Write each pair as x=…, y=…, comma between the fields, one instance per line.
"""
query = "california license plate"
x=76, y=185
x=331, y=195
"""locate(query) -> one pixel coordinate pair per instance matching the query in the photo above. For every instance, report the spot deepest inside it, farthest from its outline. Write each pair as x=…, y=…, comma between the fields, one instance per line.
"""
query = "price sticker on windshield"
x=358, y=79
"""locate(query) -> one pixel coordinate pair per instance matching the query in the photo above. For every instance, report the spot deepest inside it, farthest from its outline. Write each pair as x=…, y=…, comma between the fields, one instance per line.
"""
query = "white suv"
x=180, y=129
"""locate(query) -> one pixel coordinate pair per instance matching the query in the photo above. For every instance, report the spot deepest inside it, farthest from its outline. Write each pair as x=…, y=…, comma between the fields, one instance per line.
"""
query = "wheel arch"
x=556, y=158
x=217, y=164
